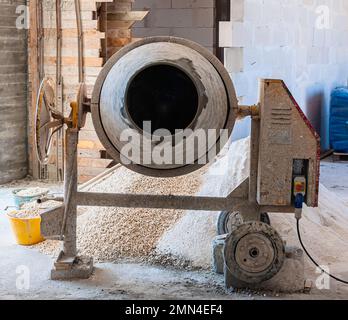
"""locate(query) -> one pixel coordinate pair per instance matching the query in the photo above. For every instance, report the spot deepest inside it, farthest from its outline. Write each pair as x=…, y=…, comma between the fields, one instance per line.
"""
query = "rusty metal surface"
x=83, y=105
x=46, y=124
x=237, y=200
x=154, y=201
x=209, y=75
x=69, y=221
x=51, y=222
x=284, y=136
x=237, y=196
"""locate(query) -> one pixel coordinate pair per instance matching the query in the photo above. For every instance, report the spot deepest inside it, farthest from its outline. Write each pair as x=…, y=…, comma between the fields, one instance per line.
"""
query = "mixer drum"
x=159, y=106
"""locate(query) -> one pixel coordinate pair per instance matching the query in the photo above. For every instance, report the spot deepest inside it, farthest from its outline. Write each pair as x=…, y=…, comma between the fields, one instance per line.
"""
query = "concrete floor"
x=126, y=280
x=334, y=175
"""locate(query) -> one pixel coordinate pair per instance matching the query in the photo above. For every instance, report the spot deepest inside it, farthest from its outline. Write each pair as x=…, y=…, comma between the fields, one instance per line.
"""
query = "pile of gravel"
x=33, y=209
x=109, y=234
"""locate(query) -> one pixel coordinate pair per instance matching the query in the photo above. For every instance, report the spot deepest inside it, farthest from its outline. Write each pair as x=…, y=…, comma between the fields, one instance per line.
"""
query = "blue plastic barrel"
x=339, y=120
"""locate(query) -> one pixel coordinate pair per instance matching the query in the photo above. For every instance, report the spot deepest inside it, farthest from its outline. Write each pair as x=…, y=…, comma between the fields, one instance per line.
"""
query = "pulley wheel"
x=47, y=120
x=254, y=252
x=82, y=102
x=228, y=220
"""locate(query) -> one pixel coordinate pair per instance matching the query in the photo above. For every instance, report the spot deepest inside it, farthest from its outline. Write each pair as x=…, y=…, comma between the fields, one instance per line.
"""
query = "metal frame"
x=246, y=199
x=242, y=199
x=60, y=222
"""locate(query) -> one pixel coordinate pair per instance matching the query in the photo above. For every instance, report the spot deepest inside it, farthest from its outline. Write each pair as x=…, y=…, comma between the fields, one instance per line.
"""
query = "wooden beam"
x=127, y=15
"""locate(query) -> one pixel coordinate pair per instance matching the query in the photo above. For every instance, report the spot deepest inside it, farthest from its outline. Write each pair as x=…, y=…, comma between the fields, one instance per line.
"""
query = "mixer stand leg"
x=69, y=265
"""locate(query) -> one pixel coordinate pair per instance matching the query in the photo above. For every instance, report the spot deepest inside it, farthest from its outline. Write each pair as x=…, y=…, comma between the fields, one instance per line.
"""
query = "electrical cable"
x=310, y=257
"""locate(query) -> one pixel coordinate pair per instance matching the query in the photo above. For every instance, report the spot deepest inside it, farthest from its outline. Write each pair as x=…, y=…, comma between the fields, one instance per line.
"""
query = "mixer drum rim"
x=97, y=93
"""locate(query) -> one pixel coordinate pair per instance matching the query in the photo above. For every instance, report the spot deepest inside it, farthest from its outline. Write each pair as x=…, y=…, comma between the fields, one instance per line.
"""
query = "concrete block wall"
x=303, y=42
x=191, y=19
x=13, y=94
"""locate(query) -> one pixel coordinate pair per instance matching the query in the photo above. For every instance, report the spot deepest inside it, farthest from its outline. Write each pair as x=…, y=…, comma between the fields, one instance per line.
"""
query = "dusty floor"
x=126, y=280
x=334, y=175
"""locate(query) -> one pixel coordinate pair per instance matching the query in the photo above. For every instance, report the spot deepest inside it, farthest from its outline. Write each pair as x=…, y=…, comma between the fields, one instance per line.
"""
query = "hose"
x=310, y=257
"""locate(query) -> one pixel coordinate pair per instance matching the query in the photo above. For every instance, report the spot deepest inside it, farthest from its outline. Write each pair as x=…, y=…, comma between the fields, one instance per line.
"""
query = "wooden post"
x=34, y=83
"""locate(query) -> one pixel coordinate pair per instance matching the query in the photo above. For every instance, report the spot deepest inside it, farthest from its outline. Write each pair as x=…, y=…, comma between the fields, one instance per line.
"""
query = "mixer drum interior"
x=163, y=93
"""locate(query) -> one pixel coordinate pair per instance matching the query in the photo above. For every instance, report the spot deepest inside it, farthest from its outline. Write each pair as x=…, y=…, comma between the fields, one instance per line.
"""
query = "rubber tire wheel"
x=232, y=241
x=222, y=221
x=222, y=227
x=265, y=218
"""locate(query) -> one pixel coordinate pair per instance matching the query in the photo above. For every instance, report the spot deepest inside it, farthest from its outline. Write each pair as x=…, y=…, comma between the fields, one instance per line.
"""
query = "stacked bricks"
x=106, y=29
x=190, y=19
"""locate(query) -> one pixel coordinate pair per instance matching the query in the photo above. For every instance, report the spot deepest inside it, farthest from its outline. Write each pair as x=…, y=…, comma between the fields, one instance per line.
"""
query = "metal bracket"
x=51, y=222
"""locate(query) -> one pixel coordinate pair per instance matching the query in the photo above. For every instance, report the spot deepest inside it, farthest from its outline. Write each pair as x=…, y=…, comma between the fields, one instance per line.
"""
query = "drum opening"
x=165, y=95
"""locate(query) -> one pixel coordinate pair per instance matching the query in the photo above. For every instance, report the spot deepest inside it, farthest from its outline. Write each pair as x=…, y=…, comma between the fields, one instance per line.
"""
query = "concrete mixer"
x=176, y=85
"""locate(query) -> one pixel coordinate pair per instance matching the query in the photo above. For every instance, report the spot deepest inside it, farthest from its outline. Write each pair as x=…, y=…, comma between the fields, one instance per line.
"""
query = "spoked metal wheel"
x=228, y=220
x=254, y=252
x=48, y=120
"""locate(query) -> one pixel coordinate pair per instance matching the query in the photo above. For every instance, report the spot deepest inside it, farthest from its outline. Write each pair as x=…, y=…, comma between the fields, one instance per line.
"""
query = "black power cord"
x=310, y=257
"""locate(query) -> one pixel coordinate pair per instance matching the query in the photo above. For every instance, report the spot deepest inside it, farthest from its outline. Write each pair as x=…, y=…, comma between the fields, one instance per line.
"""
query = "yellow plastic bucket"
x=27, y=231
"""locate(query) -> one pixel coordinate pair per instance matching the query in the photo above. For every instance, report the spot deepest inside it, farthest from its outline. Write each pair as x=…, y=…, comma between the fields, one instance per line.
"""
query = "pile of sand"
x=190, y=239
x=108, y=234
x=33, y=209
x=32, y=192
x=25, y=214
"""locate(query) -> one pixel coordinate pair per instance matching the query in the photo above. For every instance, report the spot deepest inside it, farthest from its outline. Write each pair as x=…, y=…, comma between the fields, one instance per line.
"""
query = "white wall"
x=191, y=19
x=282, y=39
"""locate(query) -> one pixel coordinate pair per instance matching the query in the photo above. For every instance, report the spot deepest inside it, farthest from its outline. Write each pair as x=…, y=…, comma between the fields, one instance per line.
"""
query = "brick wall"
x=288, y=39
x=191, y=19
